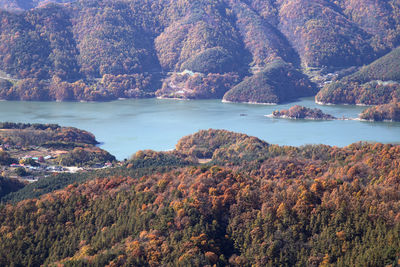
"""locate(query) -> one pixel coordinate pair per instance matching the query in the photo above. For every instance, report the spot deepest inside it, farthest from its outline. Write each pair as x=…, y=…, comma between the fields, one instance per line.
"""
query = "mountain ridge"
x=65, y=50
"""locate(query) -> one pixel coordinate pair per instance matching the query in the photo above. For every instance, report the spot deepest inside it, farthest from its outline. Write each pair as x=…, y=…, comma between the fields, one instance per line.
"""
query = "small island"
x=387, y=112
x=300, y=112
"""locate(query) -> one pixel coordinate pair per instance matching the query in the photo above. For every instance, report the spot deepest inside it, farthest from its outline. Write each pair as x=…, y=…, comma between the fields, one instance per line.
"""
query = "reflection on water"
x=126, y=126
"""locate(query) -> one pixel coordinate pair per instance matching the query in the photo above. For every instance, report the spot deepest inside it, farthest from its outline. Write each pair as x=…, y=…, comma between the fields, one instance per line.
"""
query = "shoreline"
x=343, y=104
x=187, y=99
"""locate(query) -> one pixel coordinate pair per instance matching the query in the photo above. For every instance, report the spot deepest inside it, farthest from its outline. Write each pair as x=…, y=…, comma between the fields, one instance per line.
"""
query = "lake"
x=125, y=126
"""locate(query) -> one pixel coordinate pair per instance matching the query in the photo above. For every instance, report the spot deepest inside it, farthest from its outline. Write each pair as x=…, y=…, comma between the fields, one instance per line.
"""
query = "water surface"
x=126, y=126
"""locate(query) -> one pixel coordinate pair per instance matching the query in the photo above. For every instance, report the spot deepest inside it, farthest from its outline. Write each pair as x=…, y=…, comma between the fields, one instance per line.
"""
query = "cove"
x=125, y=126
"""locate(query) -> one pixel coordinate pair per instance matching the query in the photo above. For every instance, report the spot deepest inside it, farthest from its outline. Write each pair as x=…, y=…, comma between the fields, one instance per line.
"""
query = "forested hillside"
x=253, y=204
x=104, y=50
x=374, y=84
x=386, y=112
x=276, y=83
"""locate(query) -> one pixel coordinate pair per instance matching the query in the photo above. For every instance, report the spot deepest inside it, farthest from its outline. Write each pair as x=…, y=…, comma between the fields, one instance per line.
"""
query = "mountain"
x=253, y=203
x=104, y=50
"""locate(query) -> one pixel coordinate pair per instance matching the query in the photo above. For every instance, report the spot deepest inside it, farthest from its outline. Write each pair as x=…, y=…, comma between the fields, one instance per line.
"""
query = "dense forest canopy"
x=253, y=204
x=71, y=50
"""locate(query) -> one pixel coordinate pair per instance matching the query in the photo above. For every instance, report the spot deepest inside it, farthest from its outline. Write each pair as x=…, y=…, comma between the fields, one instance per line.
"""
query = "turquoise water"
x=125, y=126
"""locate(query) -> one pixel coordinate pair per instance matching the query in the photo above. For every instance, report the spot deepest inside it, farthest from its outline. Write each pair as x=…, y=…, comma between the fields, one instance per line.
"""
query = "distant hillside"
x=276, y=83
x=374, y=84
x=104, y=50
x=40, y=134
x=386, y=68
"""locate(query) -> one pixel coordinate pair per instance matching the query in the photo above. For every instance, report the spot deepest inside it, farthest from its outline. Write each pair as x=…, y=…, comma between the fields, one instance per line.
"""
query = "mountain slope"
x=322, y=35
x=374, y=84
x=70, y=48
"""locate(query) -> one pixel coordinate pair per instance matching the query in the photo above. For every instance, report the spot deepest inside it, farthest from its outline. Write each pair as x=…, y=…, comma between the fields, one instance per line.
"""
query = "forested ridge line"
x=254, y=203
